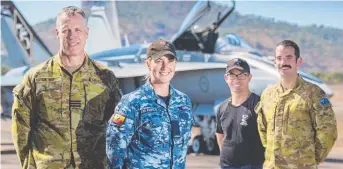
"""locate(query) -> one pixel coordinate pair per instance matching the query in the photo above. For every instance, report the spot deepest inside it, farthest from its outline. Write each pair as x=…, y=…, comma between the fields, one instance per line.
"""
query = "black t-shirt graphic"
x=241, y=143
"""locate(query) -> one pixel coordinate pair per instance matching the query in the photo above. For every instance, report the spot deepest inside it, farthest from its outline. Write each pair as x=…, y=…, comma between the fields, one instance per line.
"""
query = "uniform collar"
x=150, y=92
x=300, y=81
x=85, y=65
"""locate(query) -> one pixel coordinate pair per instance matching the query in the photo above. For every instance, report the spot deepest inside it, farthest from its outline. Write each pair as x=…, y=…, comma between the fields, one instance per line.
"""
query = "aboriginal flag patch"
x=118, y=119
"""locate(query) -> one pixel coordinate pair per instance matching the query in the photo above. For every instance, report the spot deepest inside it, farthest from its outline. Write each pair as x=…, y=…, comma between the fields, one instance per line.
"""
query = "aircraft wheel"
x=198, y=144
x=212, y=146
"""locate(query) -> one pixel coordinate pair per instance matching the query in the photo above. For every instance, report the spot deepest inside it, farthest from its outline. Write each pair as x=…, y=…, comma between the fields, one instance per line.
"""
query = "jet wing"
x=138, y=70
x=15, y=76
x=7, y=81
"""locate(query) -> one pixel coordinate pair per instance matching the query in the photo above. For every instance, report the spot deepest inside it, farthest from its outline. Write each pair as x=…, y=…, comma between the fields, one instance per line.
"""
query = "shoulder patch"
x=324, y=101
x=118, y=119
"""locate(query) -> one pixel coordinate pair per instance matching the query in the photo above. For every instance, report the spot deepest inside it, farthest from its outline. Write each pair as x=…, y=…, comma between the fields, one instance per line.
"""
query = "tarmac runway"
x=9, y=161
x=9, y=158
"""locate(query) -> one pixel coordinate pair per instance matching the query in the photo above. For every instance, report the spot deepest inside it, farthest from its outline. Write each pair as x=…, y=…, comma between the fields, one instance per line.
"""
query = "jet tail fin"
x=102, y=20
x=127, y=42
x=23, y=45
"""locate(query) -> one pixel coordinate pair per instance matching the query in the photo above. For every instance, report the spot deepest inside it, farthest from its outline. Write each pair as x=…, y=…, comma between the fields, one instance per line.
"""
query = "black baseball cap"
x=161, y=48
x=238, y=63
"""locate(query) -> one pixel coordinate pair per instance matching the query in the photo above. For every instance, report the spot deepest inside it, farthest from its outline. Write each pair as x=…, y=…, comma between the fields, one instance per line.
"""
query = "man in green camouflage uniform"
x=295, y=119
x=61, y=108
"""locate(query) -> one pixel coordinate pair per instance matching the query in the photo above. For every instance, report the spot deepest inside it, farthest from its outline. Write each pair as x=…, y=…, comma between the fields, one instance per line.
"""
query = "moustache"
x=282, y=66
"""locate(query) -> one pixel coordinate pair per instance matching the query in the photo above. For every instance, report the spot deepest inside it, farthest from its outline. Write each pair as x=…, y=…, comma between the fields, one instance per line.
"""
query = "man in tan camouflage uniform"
x=295, y=119
x=61, y=108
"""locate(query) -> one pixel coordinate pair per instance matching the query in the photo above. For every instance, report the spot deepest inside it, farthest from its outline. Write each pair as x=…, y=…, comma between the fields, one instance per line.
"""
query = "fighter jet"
x=200, y=68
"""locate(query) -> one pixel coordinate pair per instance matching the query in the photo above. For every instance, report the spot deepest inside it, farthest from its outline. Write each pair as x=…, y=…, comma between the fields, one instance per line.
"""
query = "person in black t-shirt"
x=237, y=134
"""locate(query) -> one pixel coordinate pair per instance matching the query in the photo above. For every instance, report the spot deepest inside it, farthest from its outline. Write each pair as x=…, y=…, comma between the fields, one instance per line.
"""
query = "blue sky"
x=327, y=13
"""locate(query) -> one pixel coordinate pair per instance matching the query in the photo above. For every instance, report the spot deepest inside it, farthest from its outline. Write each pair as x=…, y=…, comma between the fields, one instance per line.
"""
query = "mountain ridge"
x=320, y=46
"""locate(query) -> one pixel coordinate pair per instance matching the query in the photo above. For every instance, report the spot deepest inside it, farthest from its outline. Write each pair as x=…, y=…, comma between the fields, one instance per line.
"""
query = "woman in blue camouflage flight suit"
x=151, y=126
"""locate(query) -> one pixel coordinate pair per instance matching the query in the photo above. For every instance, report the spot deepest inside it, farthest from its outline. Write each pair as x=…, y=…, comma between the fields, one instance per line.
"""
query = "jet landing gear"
x=198, y=145
x=212, y=146
x=209, y=146
x=203, y=136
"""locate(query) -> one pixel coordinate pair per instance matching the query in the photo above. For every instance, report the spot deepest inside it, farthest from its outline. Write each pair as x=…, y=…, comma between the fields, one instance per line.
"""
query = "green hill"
x=321, y=47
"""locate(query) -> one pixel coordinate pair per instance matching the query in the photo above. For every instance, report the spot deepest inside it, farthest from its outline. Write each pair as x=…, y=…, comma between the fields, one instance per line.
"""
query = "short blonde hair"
x=70, y=11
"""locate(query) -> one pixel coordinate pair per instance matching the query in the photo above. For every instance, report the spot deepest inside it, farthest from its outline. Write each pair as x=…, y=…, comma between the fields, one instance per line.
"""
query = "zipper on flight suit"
x=72, y=160
x=172, y=142
x=172, y=138
x=85, y=96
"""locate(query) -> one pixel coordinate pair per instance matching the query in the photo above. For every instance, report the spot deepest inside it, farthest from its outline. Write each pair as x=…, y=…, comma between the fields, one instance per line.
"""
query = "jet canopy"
x=196, y=34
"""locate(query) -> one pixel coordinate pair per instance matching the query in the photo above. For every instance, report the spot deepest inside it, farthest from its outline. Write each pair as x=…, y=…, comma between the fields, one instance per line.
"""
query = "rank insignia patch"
x=118, y=119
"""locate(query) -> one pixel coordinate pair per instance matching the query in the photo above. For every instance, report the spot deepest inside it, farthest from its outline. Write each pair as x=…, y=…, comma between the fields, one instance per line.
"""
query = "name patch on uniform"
x=149, y=109
x=118, y=119
x=324, y=101
x=48, y=79
x=184, y=108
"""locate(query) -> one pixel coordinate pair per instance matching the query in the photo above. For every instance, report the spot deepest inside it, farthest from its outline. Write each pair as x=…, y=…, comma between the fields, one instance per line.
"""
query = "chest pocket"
x=297, y=115
x=185, y=123
x=96, y=97
x=150, y=132
x=49, y=94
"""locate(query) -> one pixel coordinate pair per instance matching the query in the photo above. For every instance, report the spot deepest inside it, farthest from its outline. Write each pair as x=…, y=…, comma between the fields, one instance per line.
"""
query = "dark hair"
x=289, y=43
